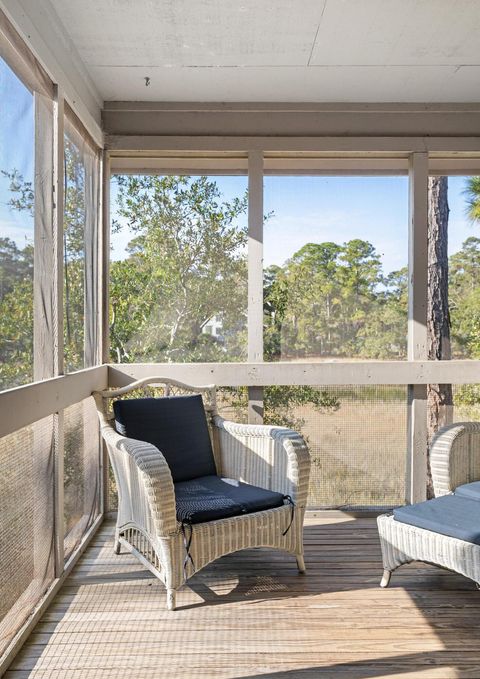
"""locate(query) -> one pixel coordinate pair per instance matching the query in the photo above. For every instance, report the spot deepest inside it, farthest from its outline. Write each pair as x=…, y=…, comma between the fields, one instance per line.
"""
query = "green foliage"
x=74, y=257
x=472, y=193
x=332, y=300
x=281, y=403
x=16, y=314
x=464, y=294
x=186, y=266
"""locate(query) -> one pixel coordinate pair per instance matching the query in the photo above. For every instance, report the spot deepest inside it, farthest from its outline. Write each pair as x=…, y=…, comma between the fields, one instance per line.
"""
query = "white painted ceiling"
x=278, y=50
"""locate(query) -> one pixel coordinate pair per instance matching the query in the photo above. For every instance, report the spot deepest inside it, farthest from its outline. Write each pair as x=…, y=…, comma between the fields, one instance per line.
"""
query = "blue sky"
x=305, y=209
x=317, y=209
x=16, y=150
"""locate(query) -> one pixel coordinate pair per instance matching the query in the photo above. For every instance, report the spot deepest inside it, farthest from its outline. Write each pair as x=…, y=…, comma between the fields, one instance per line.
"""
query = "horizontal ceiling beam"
x=299, y=120
x=138, y=143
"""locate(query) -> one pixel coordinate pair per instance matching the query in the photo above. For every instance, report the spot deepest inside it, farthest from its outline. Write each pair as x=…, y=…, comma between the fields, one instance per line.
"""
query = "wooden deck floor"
x=250, y=614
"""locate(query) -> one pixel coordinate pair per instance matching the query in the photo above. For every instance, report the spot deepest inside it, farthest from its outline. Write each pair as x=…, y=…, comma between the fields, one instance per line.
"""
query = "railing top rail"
x=308, y=373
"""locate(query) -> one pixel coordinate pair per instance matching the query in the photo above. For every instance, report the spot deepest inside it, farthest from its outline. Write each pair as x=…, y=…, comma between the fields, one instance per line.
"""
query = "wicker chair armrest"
x=455, y=456
x=144, y=476
x=270, y=457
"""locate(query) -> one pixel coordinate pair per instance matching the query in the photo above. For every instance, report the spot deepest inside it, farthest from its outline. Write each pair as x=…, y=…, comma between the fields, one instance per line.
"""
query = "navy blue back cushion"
x=176, y=425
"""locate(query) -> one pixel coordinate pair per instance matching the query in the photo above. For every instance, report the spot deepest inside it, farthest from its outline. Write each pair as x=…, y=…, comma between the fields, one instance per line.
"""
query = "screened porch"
x=215, y=208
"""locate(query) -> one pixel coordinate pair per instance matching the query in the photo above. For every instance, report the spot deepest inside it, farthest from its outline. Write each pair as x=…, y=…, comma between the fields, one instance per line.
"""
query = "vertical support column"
x=58, y=214
x=417, y=324
x=104, y=247
x=43, y=317
x=105, y=255
x=92, y=165
x=44, y=288
x=255, y=278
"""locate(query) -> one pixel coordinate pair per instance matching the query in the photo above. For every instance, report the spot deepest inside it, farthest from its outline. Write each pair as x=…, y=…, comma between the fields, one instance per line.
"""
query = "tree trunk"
x=439, y=396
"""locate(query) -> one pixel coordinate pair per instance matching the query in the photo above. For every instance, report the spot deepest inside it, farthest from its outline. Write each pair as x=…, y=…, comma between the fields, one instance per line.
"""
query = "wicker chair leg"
x=116, y=544
x=301, y=563
x=171, y=599
x=386, y=578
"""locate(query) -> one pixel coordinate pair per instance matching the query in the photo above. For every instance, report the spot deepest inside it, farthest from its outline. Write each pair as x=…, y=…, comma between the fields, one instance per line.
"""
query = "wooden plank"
x=24, y=632
x=255, y=257
x=250, y=613
x=44, y=289
x=58, y=217
x=105, y=254
x=92, y=322
x=255, y=405
x=296, y=119
x=321, y=144
x=21, y=406
x=255, y=278
x=416, y=486
x=288, y=373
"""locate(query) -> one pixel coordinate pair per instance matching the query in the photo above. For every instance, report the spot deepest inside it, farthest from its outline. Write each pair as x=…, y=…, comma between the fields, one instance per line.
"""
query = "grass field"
x=359, y=451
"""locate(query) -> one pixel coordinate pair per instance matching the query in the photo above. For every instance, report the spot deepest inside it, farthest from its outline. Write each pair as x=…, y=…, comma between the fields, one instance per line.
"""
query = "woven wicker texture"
x=270, y=457
x=455, y=459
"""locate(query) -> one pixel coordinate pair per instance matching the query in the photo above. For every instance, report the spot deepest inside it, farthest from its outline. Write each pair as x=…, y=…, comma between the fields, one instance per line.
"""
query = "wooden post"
x=58, y=214
x=92, y=322
x=104, y=247
x=105, y=253
x=43, y=316
x=255, y=278
x=416, y=485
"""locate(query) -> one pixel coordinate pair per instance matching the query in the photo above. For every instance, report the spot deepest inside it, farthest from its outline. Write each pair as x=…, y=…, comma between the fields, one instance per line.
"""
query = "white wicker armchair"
x=273, y=458
x=454, y=460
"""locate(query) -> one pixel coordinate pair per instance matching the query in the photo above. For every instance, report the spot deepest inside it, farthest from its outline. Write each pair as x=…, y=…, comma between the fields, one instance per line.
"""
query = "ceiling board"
x=278, y=50
x=192, y=32
x=339, y=84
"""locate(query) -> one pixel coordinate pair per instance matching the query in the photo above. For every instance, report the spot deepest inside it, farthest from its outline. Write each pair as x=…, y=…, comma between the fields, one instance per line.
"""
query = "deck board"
x=251, y=614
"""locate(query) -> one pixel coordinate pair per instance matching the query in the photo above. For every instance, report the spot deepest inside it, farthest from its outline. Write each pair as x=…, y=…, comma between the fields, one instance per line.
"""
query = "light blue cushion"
x=457, y=517
x=469, y=490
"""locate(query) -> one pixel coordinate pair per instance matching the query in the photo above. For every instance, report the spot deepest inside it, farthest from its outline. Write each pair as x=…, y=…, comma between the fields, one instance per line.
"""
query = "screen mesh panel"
x=232, y=403
x=357, y=437
x=81, y=471
x=26, y=523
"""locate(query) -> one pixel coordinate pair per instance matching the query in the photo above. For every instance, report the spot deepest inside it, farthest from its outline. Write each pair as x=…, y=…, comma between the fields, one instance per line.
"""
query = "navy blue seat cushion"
x=176, y=425
x=457, y=517
x=469, y=490
x=210, y=498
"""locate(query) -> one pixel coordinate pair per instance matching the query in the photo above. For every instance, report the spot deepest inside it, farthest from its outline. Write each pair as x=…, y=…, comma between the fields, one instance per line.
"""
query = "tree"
x=320, y=302
x=464, y=294
x=472, y=193
x=74, y=219
x=186, y=266
x=439, y=396
x=384, y=334
x=16, y=293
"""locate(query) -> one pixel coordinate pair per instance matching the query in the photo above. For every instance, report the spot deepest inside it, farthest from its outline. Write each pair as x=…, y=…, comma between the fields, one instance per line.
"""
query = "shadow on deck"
x=250, y=614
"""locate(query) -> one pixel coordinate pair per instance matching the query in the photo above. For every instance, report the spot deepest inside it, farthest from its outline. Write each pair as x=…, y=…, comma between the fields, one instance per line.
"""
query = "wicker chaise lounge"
x=247, y=488
x=444, y=531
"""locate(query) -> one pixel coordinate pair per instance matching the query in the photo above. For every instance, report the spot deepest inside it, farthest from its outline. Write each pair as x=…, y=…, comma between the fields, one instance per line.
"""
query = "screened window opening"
x=178, y=271
x=335, y=267
x=80, y=250
x=17, y=143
